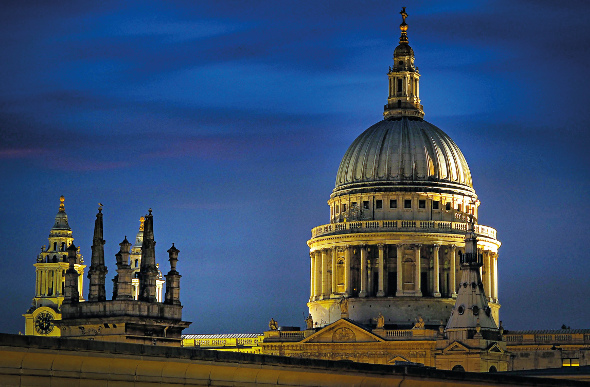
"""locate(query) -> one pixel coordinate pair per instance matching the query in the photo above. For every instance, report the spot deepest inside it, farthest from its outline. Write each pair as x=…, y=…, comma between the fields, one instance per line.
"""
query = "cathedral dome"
x=405, y=154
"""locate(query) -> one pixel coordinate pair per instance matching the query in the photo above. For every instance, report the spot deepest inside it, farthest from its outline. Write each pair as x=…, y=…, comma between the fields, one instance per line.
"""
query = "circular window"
x=461, y=309
x=475, y=310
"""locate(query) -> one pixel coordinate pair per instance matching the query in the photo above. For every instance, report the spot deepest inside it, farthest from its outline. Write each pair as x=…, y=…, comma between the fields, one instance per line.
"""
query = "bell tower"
x=50, y=269
x=404, y=92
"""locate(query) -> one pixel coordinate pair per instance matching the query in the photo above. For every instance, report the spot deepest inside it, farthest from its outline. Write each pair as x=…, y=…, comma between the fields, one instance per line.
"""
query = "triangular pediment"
x=495, y=348
x=342, y=331
x=456, y=347
x=396, y=359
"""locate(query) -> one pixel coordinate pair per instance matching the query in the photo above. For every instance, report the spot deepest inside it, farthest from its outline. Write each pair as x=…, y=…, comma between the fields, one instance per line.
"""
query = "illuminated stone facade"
x=50, y=279
x=398, y=217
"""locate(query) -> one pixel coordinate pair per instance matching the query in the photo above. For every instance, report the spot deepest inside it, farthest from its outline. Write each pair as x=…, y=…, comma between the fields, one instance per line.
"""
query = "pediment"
x=456, y=347
x=495, y=348
x=396, y=359
x=342, y=331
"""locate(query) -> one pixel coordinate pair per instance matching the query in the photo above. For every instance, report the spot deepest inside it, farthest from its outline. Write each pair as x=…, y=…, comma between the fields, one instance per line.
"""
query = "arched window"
x=63, y=246
x=458, y=368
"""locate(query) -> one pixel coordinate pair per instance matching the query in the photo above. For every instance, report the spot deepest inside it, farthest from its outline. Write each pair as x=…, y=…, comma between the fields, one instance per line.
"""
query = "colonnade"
x=334, y=274
x=50, y=282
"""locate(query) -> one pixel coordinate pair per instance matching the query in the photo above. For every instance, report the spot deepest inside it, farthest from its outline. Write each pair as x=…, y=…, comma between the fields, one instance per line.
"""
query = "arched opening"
x=493, y=369
x=458, y=368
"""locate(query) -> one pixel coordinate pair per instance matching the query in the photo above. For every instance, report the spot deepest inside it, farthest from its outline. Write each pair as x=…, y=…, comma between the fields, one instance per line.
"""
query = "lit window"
x=408, y=203
x=337, y=208
x=570, y=362
x=435, y=205
x=366, y=205
x=379, y=204
x=393, y=203
x=421, y=203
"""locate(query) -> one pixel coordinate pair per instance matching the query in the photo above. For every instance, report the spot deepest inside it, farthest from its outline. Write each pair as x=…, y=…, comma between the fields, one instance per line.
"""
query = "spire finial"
x=61, y=204
x=141, y=222
x=403, y=27
x=99, y=207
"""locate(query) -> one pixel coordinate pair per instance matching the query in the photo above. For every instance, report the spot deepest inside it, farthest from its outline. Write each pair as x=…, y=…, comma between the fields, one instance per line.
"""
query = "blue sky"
x=229, y=120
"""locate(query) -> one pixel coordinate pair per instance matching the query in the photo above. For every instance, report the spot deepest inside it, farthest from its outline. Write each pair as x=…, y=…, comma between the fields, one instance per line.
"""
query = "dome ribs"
x=409, y=153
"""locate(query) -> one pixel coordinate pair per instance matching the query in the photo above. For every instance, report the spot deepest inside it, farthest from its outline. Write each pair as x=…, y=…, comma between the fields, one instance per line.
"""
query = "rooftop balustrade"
x=401, y=226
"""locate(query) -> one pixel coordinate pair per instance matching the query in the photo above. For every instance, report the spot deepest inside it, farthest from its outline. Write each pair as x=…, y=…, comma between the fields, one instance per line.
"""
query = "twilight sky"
x=229, y=119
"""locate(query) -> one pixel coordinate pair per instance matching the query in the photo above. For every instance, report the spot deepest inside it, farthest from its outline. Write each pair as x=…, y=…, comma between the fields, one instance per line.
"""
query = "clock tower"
x=52, y=263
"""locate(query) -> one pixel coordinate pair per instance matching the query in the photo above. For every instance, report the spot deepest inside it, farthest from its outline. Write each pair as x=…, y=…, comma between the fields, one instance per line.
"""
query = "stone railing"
x=292, y=335
x=559, y=337
x=398, y=333
x=404, y=334
x=400, y=225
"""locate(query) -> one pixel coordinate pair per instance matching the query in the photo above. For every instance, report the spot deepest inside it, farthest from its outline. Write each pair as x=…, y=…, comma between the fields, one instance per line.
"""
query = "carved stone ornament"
x=343, y=335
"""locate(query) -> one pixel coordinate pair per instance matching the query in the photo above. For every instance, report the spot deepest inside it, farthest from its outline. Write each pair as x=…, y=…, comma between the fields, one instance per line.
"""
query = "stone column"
x=380, y=292
x=417, y=278
x=334, y=270
x=453, y=281
x=436, y=289
x=318, y=274
x=488, y=280
x=311, y=275
x=347, y=284
x=400, y=277
x=325, y=291
x=495, y=276
x=363, y=292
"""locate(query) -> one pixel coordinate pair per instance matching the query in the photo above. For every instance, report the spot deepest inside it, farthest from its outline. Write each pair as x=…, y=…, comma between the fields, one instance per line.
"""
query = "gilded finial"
x=141, y=222
x=403, y=27
x=62, y=208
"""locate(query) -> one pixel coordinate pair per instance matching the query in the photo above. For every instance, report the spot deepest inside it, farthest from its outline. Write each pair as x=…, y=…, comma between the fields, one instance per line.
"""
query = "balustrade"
x=401, y=225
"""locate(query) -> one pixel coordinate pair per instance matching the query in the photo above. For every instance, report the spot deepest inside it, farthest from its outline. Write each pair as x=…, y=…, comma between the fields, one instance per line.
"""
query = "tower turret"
x=404, y=93
x=71, y=294
x=173, y=279
x=98, y=270
x=471, y=316
x=148, y=273
x=52, y=263
x=122, y=289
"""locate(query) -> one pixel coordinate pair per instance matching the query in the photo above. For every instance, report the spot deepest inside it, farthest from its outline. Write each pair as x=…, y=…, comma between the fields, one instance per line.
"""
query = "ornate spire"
x=98, y=270
x=141, y=222
x=403, y=39
x=404, y=92
x=61, y=219
x=62, y=208
x=148, y=272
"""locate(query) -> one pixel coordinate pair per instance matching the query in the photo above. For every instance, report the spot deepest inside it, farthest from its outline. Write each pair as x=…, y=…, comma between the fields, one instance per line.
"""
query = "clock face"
x=44, y=323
